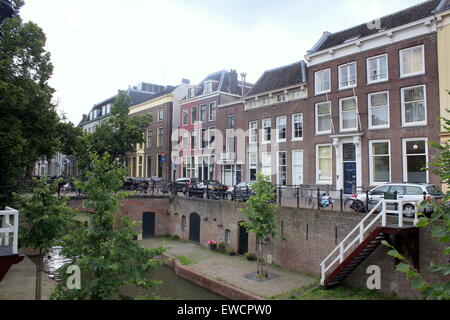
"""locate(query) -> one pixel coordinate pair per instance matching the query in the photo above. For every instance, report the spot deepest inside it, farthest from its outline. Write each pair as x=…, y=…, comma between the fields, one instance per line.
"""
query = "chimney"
x=243, y=83
x=187, y=81
x=234, y=81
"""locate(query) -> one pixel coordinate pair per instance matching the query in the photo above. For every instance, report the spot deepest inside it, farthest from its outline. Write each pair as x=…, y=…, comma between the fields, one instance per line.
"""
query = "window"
x=212, y=111
x=414, y=106
x=297, y=127
x=230, y=147
x=185, y=117
x=253, y=164
x=412, y=61
x=160, y=115
x=297, y=167
x=160, y=138
x=322, y=81
x=267, y=130
x=193, y=139
x=193, y=115
x=266, y=162
x=230, y=122
x=414, y=160
x=324, y=164
x=253, y=135
x=281, y=97
x=377, y=69
x=204, y=140
x=298, y=94
x=228, y=236
x=323, y=118
x=380, y=162
x=208, y=87
x=185, y=140
x=141, y=167
x=149, y=139
x=379, y=110
x=281, y=129
x=191, y=92
x=254, y=103
x=266, y=101
x=203, y=113
x=347, y=76
x=349, y=114
x=282, y=168
x=212, y=137
x=183, y=223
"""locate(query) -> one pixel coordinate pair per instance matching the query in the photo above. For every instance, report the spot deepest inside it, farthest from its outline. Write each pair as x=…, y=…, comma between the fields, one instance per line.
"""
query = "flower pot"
x=213, y=246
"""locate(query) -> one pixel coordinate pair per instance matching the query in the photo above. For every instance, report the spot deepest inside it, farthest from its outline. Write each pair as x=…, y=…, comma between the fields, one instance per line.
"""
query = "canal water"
x=172, y=287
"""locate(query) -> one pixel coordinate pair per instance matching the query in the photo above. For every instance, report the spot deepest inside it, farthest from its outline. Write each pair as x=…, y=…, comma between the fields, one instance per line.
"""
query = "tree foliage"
x=30, y=127
x=118, y=135
x=45, y=220
x=106, y=252
x=260, y=213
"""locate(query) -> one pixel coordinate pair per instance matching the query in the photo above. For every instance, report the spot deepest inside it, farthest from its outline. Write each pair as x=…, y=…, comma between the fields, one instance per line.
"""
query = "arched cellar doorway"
x=243, y=239
x=148, y=225
x=194, y=227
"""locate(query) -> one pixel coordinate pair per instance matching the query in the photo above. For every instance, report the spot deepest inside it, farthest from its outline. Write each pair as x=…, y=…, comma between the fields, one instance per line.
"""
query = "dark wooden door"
x=148, y=225
x=194, y=227
x=243, y=240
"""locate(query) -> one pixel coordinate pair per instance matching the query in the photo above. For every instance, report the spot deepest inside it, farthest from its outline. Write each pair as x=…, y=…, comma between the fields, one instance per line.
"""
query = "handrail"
x=361, y=230
x=7, y=228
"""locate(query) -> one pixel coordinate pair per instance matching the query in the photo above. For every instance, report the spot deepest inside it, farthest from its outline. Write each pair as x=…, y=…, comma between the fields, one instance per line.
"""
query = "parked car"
x=207, y=189
x=410, y=193
x=243, y=191
x=135, y=183
x=181, y=184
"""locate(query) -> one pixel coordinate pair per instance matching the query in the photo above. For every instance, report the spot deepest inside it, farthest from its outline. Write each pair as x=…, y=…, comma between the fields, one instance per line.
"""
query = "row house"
x=153, y=157
x=198, y=139
x=374, y=94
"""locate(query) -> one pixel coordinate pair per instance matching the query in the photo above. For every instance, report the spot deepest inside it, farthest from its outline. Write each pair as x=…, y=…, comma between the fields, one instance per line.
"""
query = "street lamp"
x=6, y=10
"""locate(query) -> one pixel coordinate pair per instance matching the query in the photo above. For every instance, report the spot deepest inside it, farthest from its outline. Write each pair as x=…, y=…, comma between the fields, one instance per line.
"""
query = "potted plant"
x=212, y=244
x=230, y=251
x=222, y=246
x=250, y=256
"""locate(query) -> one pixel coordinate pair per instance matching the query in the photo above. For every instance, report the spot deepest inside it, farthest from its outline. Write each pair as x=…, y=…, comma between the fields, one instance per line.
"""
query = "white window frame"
x=402, y=74
x=209, y=111
x=281, y=97
x=159, y=142
x=369, y=104
x=193, y=133
x=196, y=114
x=369, y=81
x=278, y=167
x=417, y=123
x=278, y=129
x=208, y=87
x=160, y=115
x=341, y=118
x=210, y=130
x=293, y=127
x=345, y=68
x=267, y=101
x=371, y=167
x=317, y=119
x=318, y=181
x=200, y=113
x=316, y=81
x=185, y=110
x=293, y=165
x=405, y=157
x=265, y=156
x=250, y=130
x=263, y=131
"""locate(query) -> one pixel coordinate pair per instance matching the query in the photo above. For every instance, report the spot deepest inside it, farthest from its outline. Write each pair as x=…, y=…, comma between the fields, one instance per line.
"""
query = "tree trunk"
x=38, y=293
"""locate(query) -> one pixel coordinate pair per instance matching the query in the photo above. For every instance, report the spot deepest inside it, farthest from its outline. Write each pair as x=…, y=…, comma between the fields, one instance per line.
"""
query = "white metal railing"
x=358, y=233
x=229, y=156
x=7, y=229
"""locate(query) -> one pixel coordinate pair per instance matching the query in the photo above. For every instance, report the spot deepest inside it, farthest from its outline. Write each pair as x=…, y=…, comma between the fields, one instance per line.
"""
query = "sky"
x=101, y=46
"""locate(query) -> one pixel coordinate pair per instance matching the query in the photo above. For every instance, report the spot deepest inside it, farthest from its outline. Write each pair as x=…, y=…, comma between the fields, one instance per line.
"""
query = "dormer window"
x=191, y=92
x=208, y=87
x=352, y=39
x=281, y=97
x=266, y=100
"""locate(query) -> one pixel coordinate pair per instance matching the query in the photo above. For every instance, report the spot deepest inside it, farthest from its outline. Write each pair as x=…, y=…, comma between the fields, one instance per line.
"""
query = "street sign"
x=163, y=159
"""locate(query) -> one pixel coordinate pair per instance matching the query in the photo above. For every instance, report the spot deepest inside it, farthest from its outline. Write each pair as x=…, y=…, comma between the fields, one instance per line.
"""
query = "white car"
x=410, y=193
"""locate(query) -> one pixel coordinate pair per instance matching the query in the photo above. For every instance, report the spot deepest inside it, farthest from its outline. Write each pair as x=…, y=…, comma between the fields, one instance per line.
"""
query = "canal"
x=172, y=287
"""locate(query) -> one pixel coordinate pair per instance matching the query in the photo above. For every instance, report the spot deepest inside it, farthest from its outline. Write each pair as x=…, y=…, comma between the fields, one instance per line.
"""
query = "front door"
x=243, y=240
x=194, y=227
x=350, y=173
x=148, y=225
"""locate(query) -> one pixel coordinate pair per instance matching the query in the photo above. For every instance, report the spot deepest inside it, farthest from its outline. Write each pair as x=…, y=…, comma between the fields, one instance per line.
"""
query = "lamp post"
x=6, y=10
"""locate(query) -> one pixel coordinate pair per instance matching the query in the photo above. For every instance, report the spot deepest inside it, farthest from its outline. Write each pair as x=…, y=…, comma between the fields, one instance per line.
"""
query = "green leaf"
x=403, y=267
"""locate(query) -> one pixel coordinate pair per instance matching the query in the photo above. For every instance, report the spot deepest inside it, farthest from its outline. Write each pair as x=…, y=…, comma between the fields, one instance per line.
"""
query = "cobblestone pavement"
x=19, y=283
x=232, y=270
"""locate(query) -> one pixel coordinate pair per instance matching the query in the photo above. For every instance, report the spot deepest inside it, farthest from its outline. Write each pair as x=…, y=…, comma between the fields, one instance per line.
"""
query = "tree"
x=118, y=135
x=260, y=212
x=46, y=218
x=106, y=252
x=440, y=227
x=30, y=127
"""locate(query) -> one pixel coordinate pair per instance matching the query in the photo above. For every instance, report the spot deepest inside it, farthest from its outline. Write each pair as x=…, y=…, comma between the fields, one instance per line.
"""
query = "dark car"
x=181, y=184
x=208, y=189
x=242, y=191
x=135, y=184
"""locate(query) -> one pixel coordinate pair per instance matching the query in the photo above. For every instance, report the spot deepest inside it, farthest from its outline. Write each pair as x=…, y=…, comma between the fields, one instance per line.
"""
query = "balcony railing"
x=9, y=231
x=230, y=156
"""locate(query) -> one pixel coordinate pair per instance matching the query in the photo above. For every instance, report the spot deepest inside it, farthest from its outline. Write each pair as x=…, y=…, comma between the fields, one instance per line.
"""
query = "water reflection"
x=172, y=287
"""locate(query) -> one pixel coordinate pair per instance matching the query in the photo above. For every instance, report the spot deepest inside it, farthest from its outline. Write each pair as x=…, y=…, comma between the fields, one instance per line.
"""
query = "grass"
x=185, y=261
x=314, y=292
